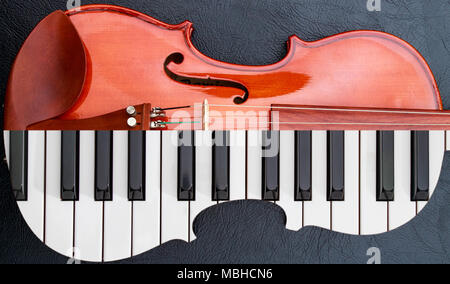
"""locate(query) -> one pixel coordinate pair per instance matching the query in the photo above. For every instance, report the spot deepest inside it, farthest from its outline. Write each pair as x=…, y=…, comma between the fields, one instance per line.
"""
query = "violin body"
x=133, y=59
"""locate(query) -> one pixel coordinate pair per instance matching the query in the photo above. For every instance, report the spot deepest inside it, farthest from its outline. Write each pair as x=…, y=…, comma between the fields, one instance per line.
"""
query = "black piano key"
x=103, y=166
x=221, y=166
x=335, y=166
x=186, y=166
x=303, y=172
x=18, y=164
x=271, y=165
x=420, y=159
x=385, y=166
x=70, y=141
x=136, y=166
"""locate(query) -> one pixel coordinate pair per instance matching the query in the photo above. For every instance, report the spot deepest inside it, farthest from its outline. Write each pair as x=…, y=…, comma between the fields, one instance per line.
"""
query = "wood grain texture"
x=135, y=59
x=291, y=117
x=48, y=75
x=116, y=120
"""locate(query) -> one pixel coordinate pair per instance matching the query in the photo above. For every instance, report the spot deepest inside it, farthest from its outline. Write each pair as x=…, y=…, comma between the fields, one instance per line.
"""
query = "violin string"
x=251, y=124
x=179, y=122
x=336, y=109
x=418, y=112
x=367, y=124
x=175, y=108
x=186, y=121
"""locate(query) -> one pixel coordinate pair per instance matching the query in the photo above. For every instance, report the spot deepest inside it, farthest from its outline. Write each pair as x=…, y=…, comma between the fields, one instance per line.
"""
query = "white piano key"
x=146, y=214
x=373, y=213
x=88, y=212
x=317, y=212
x=437, y=151
x=175, y=214
x=254, y=165
x=33, y=209
x=117, y=218
x=402, y=209
x=6, y=135
x=237, y=165
x=203, y=176
x=59, y=214
x=345, y=214
x=292, y=208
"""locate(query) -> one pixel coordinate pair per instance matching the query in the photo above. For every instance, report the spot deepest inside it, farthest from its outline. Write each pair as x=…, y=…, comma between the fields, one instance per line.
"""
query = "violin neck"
x=298, y=117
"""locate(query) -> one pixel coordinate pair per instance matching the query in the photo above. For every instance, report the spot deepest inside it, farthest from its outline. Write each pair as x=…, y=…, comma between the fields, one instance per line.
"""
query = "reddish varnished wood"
x=48, y=74
x=127, y=51
x=116, y=120
x=289, y=117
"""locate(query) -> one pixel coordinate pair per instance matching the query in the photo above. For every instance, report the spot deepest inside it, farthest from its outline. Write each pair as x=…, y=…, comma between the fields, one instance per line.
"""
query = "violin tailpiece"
x=131, y=118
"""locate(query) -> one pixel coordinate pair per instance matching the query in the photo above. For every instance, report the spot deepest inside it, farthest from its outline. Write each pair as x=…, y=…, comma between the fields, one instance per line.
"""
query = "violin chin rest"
x=48, y=75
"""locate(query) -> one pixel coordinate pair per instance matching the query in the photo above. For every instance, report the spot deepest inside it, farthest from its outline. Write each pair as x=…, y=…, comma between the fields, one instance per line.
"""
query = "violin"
x=102, y=67
x=116, y=195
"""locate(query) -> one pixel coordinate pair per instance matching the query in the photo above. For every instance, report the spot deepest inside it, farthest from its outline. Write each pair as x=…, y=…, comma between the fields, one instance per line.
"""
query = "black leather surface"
x=254, y=232
x=255, y=32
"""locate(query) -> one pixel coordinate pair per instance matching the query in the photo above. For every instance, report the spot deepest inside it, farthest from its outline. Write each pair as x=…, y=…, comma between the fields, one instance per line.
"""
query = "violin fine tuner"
x=157, y=112
x=131, y=111
x=157, y=125
x=132, y=122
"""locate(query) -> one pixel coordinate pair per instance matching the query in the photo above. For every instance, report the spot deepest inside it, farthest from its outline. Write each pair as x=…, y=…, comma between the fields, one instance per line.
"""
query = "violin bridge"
x=205, y=115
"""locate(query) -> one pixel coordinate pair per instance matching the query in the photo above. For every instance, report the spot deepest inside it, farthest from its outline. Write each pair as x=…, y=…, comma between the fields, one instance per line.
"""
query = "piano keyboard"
x=105, y=196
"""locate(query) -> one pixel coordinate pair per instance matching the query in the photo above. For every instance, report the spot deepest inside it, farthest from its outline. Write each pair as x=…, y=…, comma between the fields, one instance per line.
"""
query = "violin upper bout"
x=48, y=74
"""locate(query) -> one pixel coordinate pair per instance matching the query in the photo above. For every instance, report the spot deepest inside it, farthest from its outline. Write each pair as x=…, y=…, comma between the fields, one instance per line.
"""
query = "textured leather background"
x=255, y=32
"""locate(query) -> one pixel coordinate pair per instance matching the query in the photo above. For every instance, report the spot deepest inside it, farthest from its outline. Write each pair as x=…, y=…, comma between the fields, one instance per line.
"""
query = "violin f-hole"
x=178, y=58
